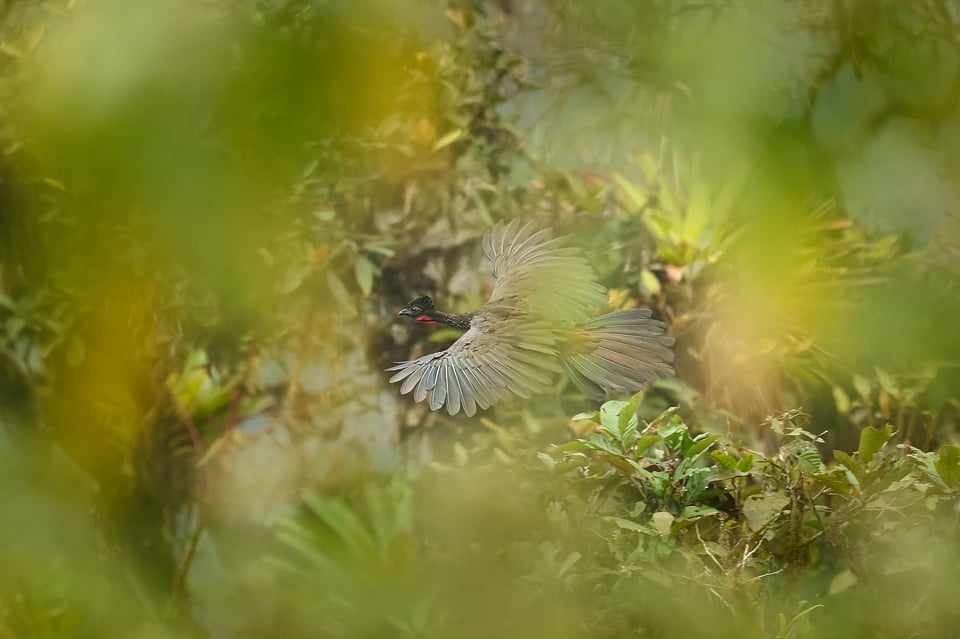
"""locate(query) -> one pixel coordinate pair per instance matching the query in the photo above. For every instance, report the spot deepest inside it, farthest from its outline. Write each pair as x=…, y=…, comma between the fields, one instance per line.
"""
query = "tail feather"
x=624, y=350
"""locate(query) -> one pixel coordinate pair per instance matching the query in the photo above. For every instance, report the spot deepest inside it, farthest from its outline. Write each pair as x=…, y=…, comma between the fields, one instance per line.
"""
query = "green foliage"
x=644, y=526
x=211, y=211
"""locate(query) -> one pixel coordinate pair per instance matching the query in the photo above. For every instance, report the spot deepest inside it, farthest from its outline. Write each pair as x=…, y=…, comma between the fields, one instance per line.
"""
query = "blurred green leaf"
x=340, y=293
x=364, y=270
x=872, y=440
x=761, y=509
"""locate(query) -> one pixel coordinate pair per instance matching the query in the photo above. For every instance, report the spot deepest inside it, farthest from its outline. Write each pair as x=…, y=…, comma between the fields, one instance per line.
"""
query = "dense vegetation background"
x=211, y=211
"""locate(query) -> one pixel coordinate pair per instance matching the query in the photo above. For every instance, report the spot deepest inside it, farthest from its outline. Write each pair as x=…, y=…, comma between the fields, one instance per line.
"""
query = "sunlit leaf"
x=364, y=270
x=447, y=139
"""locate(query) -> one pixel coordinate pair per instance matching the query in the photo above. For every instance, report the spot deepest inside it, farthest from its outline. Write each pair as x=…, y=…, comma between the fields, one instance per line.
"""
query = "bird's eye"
x=416, y=309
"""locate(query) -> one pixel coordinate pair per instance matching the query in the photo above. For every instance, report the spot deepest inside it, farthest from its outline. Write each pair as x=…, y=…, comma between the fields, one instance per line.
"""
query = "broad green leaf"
x=673, y=432
x=295, y=275
x=696, y=482
x=948, y=464
x=576, y=445
x=887, y=382
x=603, y=442
x=645, y=442
x=364, y=270
x=339, y=291
x=662, y=521
x=700, y=444
x=609, y=414
x=862, y=386
x=745, y=463
x=761, y=509
x=628, y=421
x=649, y=284
x=663, y=417
x=724, y=459
x=842, y=581
x=872, y=440
x=626, y=524
x=841, y=400
x=851, y=464
x=696, y=512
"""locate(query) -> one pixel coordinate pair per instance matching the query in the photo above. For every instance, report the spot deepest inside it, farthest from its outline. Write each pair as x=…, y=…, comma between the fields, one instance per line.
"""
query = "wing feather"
x=543, y=291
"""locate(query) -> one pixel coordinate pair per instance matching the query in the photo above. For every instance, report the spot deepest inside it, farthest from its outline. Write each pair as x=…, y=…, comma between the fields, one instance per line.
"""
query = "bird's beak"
x=405, y=312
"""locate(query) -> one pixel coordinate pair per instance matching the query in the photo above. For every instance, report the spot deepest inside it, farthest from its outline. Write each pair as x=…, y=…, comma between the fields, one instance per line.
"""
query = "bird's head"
x=420, y=309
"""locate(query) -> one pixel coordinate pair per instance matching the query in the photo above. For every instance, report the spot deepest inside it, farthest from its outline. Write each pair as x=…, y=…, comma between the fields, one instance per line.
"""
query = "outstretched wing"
x=485, y=365
x=540, y=275
x=542, y=290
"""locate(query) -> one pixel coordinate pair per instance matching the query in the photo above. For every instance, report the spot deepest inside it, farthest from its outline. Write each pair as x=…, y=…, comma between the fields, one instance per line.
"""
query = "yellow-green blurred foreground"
x=211, y=210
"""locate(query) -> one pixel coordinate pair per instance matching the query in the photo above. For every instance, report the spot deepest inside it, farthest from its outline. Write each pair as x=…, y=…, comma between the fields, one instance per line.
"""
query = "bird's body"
x=537, y=323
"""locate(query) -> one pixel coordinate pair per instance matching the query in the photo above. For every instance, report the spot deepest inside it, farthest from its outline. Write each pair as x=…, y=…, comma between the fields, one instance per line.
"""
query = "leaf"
x=947, y=463
x=696, y=512
x=447, y=139
x=637, y=197
x=851, y=464
x=842, y=400
x=674, y=432
x=697, y=215
x=724, y=459
x=611, y=419
x=340, y=293
x=842, y=581
x=761, y=509
x=627, y=420
x=344, y=523
x=872, y=440
x=593, y=416
x=662, y=521
x=696, y=482
x=887, y=382
x=575, y=445
x=603, y=442
x=547, y=460
x=626, y=524
x=295, y=275
x=645, y=442
x=649, y=284
x=862, y=386
x=700, y=444
x=745, y=463
x=377, y=247
x=364, y=269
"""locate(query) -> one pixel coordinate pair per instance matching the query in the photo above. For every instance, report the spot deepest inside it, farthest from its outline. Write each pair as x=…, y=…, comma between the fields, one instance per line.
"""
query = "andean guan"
x=536, y=323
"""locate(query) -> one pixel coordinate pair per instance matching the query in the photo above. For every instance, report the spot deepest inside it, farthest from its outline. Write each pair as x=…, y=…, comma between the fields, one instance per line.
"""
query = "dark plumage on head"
x=421, y=307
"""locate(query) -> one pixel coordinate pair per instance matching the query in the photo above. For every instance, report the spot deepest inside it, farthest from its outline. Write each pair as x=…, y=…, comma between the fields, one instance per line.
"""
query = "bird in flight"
x=538, y=322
